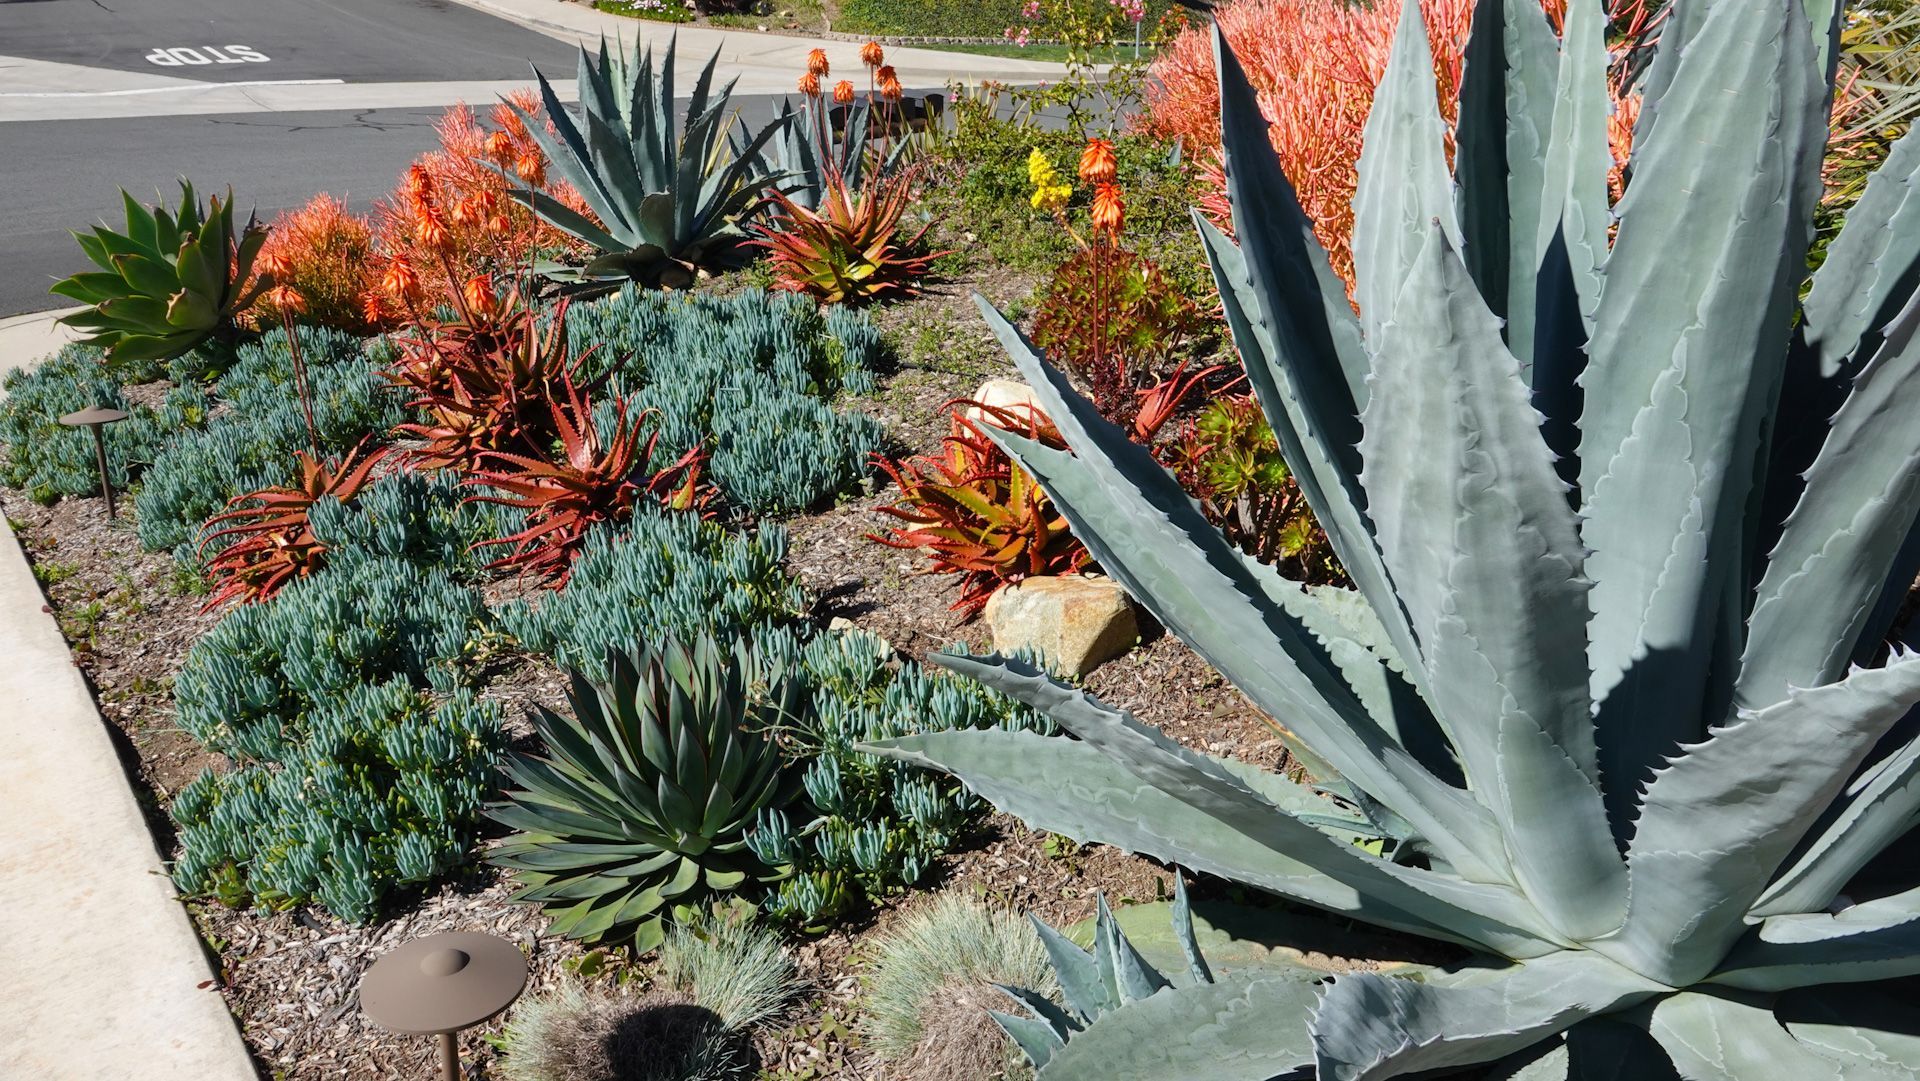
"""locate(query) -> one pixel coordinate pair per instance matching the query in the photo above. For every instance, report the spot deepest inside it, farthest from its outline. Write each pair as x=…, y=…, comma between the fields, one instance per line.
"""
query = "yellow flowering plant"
x=1050, y=190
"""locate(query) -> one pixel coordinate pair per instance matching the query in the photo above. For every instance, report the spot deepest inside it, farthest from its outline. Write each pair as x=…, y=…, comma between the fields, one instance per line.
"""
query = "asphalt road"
x=67, y=174
x=250, y=40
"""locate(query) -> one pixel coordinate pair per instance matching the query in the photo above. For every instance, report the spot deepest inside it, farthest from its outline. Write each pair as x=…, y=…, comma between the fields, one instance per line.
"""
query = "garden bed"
x=290, y=977
x=463, y=590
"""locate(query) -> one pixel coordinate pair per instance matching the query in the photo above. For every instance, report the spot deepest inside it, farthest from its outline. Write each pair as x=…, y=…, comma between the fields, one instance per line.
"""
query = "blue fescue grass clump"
x=251, y=441
x=48, y=460
x=750, y=377
x=361, y=760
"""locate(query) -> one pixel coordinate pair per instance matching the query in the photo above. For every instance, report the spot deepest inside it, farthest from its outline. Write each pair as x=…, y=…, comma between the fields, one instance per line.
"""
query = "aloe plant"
x=1613, y=672
x=170, y=282
x=666, y=206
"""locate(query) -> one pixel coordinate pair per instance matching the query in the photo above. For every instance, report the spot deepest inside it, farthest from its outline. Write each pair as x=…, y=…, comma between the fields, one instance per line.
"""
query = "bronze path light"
x=440, y=984
x=97, y=417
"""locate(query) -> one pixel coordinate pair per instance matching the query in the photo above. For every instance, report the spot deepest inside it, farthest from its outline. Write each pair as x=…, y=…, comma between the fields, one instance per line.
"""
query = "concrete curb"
x=27, y=339
x=106, y=976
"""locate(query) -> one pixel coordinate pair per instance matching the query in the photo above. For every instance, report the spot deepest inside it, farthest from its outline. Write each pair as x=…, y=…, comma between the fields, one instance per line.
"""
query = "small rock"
x=843, y=625
x=1009, y=394
x=1074, y=621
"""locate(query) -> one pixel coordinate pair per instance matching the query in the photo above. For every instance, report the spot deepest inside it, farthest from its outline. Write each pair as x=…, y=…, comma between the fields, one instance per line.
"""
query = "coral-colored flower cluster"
x=320, y=260
x=1313, y=64
x=452, y=217
x=850, y=247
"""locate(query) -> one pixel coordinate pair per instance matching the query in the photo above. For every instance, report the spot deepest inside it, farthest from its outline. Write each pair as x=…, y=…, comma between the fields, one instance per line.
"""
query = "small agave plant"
x=667, y=205
x=1095, y=982
x=644, y=800
x=1612, y=681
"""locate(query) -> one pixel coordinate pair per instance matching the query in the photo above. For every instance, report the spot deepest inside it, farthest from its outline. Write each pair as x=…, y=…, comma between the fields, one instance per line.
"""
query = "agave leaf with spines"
x=665, y=206
x=809, y=156
x=1622, y=680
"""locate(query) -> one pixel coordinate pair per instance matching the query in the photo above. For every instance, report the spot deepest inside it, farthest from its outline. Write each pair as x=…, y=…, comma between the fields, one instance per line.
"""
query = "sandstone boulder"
x=1076, y=622
x=1009, y=394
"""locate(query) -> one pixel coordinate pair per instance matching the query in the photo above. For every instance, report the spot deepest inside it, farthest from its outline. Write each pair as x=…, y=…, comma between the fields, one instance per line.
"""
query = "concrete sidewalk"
x=185, y=97
x=106, y=976
x=26, y=339
x=765, y=63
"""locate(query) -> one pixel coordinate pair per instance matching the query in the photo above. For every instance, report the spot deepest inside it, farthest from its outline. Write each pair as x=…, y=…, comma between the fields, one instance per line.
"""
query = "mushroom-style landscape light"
x=97, y=417
x=440, y=984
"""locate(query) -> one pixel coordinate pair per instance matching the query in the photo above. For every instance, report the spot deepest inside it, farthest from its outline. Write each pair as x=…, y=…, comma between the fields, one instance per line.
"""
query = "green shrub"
x=246, y=688
x=381, y=791
x=251, y=442
x=748, y=377
x=993, y=195
x=660, y=576
x=879, y=825
x=928, y=18
x=49, y=460
x=952, y=950
x=948, y=19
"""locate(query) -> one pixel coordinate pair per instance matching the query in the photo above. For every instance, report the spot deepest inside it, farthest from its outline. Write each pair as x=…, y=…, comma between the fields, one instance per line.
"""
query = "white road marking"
x=165, y=89
x=195, y=57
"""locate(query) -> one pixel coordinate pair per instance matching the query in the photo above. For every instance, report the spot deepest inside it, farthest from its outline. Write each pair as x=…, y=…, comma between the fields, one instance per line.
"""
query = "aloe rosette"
x=170, y=282
x=1628, y=521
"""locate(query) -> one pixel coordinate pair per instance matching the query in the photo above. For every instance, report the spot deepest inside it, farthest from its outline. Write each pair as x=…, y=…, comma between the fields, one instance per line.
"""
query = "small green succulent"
x=167, y=284
x=645, y=798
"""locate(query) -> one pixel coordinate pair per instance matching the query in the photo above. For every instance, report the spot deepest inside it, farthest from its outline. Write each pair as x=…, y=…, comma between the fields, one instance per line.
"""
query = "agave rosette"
x=168, y=283
x=664, y=205
x=1628, y=522
x=644, y=798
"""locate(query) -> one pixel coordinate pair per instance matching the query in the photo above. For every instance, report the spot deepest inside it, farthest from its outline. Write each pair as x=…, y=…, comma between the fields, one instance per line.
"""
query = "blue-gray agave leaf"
x=1612, y=674
x=667, y=203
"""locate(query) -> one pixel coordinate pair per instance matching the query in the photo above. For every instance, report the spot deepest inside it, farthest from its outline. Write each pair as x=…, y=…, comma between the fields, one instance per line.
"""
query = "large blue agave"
x=1612, y=679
